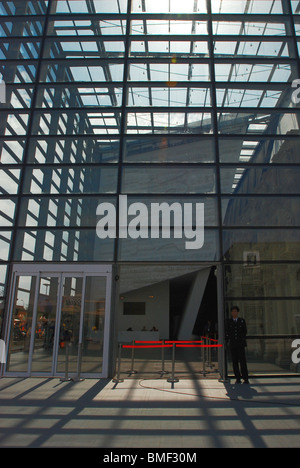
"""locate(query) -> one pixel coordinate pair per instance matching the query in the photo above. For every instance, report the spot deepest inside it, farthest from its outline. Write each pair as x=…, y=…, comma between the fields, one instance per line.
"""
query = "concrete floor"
x=149, y=413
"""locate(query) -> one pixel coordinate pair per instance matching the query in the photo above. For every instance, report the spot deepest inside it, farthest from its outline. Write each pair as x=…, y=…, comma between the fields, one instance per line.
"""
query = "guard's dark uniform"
x=236, y=332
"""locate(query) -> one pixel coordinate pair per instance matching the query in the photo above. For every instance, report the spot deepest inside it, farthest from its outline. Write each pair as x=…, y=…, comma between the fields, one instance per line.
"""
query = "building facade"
x=150, y=163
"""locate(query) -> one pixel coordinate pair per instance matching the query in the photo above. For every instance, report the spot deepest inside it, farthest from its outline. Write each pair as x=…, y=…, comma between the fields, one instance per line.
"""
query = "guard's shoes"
x=246, y=381
x=237, y=381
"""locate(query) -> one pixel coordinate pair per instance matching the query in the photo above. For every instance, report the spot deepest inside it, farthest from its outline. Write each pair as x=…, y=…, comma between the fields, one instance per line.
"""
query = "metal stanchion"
x=78, y=378
x=163, y=371
x=66, y=377
x=173, y=378
x=203, y=362
x=210, y=354
x=132, y=371
x=117, y=378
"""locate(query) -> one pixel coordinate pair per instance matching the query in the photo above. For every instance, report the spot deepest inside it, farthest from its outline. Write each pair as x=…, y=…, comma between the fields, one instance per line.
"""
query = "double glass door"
x=59, y=321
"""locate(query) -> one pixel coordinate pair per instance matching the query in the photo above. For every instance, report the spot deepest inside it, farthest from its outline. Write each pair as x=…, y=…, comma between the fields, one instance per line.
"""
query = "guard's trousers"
x=239, y=362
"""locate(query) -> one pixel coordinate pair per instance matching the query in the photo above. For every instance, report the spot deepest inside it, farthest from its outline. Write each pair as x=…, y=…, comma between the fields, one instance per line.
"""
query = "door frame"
x=59, y=270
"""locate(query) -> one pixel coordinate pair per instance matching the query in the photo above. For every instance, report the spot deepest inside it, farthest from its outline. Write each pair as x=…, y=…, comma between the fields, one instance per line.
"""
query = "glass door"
x=59, y=318
x=69, y=333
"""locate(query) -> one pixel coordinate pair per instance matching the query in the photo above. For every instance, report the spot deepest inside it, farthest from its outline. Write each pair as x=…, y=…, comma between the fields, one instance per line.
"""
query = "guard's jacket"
x=236, y=332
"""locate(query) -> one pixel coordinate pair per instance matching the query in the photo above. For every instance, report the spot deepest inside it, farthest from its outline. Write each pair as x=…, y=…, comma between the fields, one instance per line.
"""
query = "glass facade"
x=163, y=101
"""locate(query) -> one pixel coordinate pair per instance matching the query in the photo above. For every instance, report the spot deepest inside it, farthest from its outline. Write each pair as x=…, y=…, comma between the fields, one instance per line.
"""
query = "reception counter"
x=129, y=336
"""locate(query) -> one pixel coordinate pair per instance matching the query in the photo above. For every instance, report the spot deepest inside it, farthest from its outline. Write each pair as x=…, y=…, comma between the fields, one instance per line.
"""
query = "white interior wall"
x=157, y=314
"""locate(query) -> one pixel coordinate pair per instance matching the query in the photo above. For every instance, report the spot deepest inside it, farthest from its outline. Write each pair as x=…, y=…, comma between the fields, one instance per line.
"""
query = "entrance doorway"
x=170, y=302
x=59, y=316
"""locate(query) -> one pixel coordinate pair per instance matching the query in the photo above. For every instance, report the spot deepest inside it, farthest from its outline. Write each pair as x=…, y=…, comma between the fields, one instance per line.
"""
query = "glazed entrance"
x=58, y=318
x=168, y=302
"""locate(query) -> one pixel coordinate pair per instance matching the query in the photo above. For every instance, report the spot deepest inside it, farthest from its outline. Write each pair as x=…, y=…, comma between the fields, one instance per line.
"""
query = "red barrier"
x=169, y=344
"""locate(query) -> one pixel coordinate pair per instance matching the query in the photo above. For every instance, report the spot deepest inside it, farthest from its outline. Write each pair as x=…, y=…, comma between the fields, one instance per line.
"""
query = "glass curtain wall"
x=162, y=101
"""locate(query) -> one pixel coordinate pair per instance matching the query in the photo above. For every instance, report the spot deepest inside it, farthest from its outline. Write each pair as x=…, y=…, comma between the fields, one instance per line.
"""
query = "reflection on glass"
x=61, y=245
x=93, y=324
x=76, y=150
x=67, y=180
x=168, y=180
x=258, y=123
x=89, y=6
x=255, y=279
x=164, y=250
x=69, y=324
x=169, y=122
x=45, y=325
x=261, y=211
x=164, y=6
x=270, y=244
x=21, y=322
x=258, y=180
x=167, y=149
x=285, y=150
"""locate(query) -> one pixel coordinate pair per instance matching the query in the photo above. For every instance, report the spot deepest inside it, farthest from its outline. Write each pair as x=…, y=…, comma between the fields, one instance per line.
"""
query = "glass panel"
x=69, y=324
x=255, y=180
x=270, y=355
x=90, y=27
x=258, y=123
x=168, y=27
x=272, y=326
x=60, y=212
x=170, y=249
x=169, y=122
x=246, y=6
x=7, y=212
x=65, y=180
x=169, y=149
x=21, y=27
x=168, y=96
x=255, y=72
x=261, y=211
x=32, y=7
x=45, y=325
x=74, y=150
x=11, y=151
x=168, y=180
x=21, y=322
x=75, y=96
x=5, y=244
x=256, y=48
x=164, y=6
x=256, y=27
x=83, y=49
x=9, y=181
x=24, y=73
x=18, y=97
x=244, y=150
x=63, y=245
x=247, y=97
x=93, y=324
x=169, y=73
x=261, y=280
x=169, y=48
x=261, y=244
x=88, y=7
x=14, y=124
x=91, y=71
x=19, y=49
x=75, y=122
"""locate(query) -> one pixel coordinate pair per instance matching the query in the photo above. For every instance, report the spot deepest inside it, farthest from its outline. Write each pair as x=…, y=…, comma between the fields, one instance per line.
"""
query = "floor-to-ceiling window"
x=167, y=102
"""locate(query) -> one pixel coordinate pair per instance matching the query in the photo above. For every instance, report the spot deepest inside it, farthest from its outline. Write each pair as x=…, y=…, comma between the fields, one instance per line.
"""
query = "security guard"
x=236, y=332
